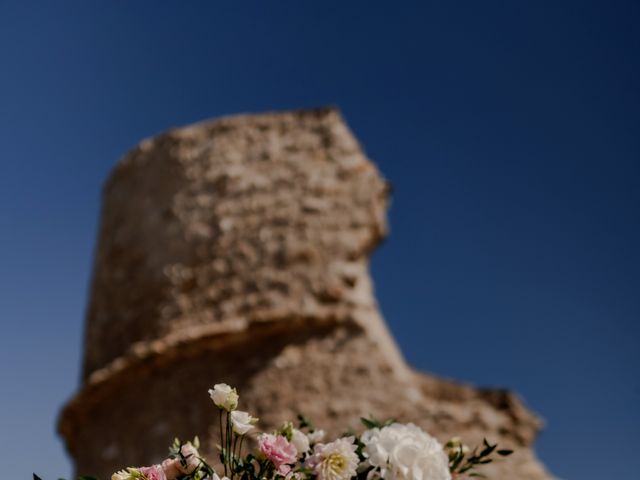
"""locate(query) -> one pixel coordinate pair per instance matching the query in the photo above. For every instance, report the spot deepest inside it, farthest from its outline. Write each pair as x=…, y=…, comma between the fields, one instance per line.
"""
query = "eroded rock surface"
x=237, y=251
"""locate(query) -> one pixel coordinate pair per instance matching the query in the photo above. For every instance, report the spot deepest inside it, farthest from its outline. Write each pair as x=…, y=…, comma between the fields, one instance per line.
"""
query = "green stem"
x=222, y=444
x=229, y=453
x=240, y=447
x=235, y=445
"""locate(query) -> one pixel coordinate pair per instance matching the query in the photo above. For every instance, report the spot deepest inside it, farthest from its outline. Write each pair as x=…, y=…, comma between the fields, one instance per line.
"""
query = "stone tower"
x=237, y=251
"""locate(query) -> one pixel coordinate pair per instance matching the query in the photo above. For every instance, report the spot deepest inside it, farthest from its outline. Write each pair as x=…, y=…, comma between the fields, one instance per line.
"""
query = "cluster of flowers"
x=385, y=451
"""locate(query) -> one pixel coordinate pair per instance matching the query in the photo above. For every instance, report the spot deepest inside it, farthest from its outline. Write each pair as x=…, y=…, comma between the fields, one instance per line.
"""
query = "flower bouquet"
x=384, y=451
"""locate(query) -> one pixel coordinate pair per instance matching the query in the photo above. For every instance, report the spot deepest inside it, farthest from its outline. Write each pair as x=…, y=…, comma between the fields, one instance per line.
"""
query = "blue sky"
x=510, y=131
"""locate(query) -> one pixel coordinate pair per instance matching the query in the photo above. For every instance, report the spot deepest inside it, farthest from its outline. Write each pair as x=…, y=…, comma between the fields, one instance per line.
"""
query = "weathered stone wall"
x=237, y=251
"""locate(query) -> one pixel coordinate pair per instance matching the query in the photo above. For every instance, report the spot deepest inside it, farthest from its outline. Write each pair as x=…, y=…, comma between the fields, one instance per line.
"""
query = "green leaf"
x=36, y=477
x=370, y=422
x=305, y=422
x=456, y=460
x=488, y=450
x=504, y=453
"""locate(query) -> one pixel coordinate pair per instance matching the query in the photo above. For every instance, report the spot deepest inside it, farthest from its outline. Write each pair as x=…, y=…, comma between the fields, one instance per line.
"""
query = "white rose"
x=242, y=422
x=405, y=452
x=299, y=440
x=224, y=396
x=315, y=436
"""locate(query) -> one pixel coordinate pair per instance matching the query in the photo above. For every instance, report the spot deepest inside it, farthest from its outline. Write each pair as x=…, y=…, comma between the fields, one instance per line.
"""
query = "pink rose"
x=153, y=472
x=174, y=468
x=278, y=450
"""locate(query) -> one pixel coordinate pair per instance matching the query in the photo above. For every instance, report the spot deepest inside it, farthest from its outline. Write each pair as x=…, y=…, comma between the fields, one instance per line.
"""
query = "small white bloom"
x=127, y=474
x=405, y=452
x=455, y=444
x=242, y=422
x=334, y=461
x=299, y=440
x=216, y=477
x=224, y=396
x=315, y=436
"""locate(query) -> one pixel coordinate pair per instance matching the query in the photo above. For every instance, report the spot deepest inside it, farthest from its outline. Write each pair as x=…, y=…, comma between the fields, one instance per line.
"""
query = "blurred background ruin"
x=509, y=132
